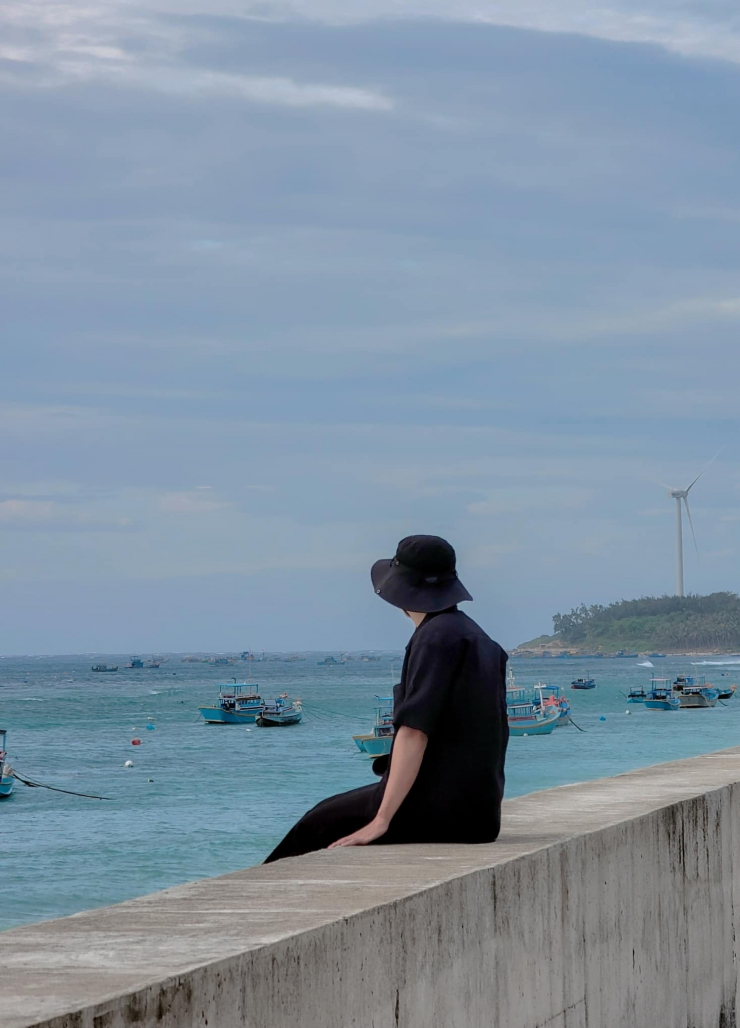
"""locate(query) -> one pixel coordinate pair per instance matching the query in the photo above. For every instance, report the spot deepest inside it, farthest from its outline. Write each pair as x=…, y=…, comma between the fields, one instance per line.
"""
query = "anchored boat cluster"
x=243, y=705
x=685, y=692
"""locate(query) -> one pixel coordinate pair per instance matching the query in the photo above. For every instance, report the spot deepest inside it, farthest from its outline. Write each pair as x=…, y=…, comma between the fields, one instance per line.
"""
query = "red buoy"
x=136, y=742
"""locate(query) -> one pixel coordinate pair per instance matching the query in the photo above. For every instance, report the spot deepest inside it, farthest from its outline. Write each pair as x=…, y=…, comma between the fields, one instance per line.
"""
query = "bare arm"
x=408, y=752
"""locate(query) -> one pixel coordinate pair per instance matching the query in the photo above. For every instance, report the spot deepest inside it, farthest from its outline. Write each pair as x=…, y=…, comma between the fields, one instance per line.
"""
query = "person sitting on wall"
x=445, y=778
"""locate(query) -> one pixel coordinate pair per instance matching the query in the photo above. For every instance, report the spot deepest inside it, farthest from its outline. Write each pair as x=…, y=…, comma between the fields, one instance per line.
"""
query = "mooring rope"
x=40, y=785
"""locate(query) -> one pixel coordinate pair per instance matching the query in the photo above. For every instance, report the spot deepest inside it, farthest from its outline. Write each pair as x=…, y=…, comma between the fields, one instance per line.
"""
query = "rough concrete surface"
x=610, y=904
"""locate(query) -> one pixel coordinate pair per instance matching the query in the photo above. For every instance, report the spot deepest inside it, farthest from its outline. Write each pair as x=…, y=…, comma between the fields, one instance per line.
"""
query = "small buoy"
x=628, y=711
x=525, y=735
x=150, y=779
x=247, y=729
x=136, y=742
x=133, y=729
x=129, y=763
x=150, y=719
x=150, y=728
x=602, y=718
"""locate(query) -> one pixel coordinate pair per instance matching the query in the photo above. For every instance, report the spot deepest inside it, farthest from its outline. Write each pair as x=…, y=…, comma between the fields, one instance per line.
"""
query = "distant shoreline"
x=546, y=654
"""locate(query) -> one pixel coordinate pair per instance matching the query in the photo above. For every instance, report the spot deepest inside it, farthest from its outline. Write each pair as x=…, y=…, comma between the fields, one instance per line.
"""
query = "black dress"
x=452, y=688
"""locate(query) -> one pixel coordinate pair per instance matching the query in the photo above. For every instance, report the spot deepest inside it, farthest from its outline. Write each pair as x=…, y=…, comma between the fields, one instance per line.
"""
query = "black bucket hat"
x=421, y=576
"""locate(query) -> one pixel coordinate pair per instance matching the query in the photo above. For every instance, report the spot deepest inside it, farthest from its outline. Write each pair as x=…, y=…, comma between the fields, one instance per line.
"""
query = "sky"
x=284, y=281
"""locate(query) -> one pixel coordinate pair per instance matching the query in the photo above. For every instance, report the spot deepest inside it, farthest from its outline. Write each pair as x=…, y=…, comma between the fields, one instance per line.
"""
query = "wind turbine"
x=678, y=495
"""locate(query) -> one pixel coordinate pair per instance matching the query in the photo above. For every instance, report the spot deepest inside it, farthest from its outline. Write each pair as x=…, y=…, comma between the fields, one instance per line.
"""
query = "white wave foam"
x=646, y=663
x=32, y=699
x=716, y=663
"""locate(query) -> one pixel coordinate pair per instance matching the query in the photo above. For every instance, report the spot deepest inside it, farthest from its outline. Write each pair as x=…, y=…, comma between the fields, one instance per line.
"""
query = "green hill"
x=650, y=624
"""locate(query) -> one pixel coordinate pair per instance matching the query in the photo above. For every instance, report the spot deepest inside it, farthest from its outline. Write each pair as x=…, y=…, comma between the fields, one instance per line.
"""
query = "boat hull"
x=544, y=726
x=726, y=694
x=698, y=700
x=579, y=685
x=278, y=721
x=373, y=745
x=6, y=786
x=217, y=716
x=661, y=705
x=636, y=699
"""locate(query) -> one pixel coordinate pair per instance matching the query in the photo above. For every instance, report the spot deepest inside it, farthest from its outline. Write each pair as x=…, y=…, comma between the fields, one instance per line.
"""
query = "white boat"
x=694, y=692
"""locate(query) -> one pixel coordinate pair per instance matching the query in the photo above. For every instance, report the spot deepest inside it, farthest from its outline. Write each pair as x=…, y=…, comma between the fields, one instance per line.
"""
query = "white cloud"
x=51, y=516
x=195, y=502
x=94, y=43
x=708, y=29
x=516, y=500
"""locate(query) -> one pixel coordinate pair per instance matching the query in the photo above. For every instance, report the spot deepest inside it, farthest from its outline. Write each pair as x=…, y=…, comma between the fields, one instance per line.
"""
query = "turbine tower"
x=680, y=495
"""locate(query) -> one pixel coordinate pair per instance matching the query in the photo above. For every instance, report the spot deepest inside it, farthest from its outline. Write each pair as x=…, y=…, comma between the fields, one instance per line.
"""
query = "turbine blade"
x=704, y=469
x=685, y=500
x=668, y=488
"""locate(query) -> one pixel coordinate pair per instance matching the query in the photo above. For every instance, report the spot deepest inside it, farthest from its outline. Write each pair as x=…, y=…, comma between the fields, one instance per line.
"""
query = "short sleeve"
x=430, y=674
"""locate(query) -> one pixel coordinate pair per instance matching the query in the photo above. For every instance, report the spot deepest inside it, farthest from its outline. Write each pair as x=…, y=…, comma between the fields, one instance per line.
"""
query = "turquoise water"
x=220, y=797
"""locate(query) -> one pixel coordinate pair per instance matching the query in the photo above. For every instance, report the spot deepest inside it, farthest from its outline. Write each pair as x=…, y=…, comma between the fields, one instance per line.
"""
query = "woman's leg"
x=330, y=820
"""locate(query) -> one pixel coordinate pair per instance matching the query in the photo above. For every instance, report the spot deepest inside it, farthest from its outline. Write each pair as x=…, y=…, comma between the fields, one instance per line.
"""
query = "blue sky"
x=282, y=282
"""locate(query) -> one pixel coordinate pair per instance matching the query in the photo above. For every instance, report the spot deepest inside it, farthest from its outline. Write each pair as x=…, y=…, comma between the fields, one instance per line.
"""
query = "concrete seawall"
x=611, y=904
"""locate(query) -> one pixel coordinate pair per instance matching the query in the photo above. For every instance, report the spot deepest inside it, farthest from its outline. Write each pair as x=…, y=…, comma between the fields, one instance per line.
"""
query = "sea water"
x=207, y=799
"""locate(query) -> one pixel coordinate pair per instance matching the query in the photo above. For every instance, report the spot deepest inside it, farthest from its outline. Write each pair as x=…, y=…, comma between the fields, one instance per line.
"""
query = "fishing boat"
x=6, y=779
x=528, y=715
x=135, y=662
x=699, y=696
x=528, y=718
x=281, y=711
x=637, y=694
x=726, y=692
x=237, y=705
x=661, y=695
x=378, y=743
x=552, y=697
x=103, y=668
x=583, y=683
x=219, y=661
x=329, y=662
x=153, y=662
x=694, y=693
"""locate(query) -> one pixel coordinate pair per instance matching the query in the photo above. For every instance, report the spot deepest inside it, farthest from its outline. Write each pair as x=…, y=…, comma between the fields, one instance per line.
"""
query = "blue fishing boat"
x=527, y=718
x=583, y=683
x=6, y=779
x=237, y=705
x=329, y=662
x=104, y=668
x=135, y=662
x=280, y=712
x=378, y=743
x=528, y=715
x=637, y=694
x=726, y=692
x=661, y=695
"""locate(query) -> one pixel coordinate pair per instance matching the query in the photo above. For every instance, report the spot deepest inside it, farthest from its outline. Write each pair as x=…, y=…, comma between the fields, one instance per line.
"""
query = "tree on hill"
x=664, y=622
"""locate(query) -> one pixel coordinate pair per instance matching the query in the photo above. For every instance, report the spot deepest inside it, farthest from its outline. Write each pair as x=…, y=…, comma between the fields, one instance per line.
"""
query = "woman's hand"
x=408, y=752
x=377, y=827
